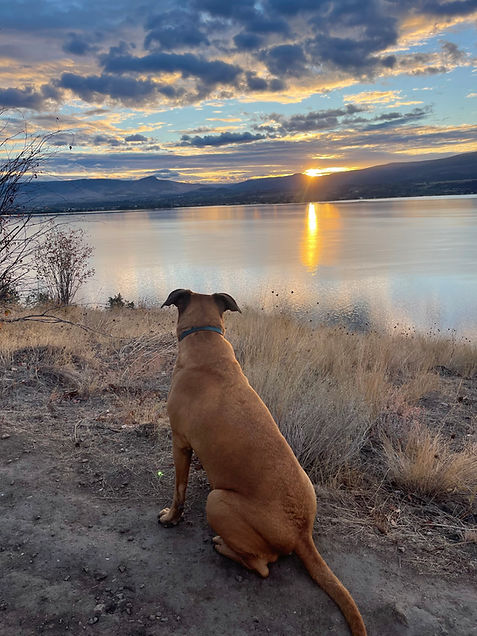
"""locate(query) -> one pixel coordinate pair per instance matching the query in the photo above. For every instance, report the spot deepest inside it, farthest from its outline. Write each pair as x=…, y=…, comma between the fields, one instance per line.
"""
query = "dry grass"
x=424, y=463
x=327, y=388
x=332, y=392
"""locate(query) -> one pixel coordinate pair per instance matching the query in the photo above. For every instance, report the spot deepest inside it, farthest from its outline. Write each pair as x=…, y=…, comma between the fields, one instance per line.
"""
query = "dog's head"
x=199, y=310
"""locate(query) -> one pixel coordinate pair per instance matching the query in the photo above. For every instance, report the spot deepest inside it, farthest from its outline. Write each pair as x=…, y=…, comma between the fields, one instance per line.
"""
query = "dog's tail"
x=321, y=574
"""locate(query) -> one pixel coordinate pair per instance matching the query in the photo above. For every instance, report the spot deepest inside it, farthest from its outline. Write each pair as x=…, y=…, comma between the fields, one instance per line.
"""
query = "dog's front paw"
x=168, y=517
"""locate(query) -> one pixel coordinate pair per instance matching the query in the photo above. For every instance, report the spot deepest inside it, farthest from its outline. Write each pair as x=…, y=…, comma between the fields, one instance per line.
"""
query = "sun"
x=320, y=172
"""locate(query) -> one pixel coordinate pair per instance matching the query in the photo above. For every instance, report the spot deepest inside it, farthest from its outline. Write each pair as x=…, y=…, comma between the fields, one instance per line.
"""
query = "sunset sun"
x=321, y=172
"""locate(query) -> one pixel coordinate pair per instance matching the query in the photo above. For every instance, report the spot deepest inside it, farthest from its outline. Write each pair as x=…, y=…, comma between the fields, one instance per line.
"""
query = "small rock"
x=5, y=436
x=93, y=620
x=99, y=608
x=100, y=576
x=122, y=568
x=239, y=578
x=401, y=548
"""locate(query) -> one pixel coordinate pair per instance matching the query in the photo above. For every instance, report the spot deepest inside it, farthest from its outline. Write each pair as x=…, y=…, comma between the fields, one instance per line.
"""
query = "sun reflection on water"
x=319, y=242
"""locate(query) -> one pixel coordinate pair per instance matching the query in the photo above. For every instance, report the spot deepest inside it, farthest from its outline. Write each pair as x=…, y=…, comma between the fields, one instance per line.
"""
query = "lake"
x=406, y=262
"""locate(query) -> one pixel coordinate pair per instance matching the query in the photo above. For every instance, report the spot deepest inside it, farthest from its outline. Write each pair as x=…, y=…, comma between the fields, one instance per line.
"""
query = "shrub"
x=118, y=302
x=61, y=262
x=424, y=463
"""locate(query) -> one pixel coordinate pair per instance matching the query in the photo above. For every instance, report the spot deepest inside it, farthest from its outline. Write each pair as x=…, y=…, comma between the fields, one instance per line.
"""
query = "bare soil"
x=81, y=551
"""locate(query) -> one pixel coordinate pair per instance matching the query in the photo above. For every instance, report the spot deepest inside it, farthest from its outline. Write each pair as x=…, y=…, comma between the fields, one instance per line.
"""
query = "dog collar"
x=187, y=332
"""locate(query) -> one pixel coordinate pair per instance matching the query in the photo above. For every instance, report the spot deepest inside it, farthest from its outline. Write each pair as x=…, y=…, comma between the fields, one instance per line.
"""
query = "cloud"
x=105, y=140
x=255, y=83
x=95, y=88
x=209, y=72
x=175, y=29
x=28, y=97
x=393, y=119
x=373, y=97
x=224, y=139
x=285, y=59
x=279, y=156
x=78, y=45
x=135, y=138
x=309, y=122
x=246, y=41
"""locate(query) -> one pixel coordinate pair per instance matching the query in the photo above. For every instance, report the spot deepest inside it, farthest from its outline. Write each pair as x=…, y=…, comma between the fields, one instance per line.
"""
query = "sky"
x=219, y=91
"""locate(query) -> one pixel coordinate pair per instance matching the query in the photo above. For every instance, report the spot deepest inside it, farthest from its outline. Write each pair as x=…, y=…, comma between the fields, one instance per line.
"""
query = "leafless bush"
x=61, y=262
x=21, y=157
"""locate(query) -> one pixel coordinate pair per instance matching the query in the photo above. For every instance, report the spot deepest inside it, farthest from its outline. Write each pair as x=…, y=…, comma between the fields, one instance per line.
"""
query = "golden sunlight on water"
x=318, y=244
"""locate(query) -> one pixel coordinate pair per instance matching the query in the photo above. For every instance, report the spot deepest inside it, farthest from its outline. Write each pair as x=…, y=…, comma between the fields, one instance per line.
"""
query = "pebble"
x=5, y=436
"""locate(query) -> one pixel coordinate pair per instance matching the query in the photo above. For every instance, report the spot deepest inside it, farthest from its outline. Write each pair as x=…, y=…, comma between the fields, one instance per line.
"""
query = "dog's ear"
x=179, y=297
x=226, y=302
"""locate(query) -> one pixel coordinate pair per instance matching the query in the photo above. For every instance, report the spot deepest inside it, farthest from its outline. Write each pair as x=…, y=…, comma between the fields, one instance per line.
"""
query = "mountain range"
x=451, y=175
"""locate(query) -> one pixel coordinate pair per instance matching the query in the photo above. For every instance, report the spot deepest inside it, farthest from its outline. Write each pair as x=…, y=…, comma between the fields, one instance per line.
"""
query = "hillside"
x=451, y=175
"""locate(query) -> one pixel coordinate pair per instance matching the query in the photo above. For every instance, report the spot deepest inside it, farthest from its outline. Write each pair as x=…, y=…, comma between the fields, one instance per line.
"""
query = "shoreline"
x=95, y=210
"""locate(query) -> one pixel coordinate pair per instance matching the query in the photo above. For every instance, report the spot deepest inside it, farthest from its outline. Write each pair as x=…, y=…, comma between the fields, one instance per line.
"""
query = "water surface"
x=411, y=262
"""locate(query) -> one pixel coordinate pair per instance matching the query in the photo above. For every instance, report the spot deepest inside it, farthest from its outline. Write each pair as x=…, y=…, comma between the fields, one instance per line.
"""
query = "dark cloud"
x=452, y=53
x=105, y=140
x=197, y=39
x=393, y=119
x=288, y=8
x=245, y=13
x=309, y=122
x=224, y=139
x=28, y=97
x=246, y=41
x=285, y=59
x=125, y=89
x=445, y=8
x=176, y=29
x=255, y=83
x=209, y=72
x=78, y=45
x=277, y=85
x=136, y=137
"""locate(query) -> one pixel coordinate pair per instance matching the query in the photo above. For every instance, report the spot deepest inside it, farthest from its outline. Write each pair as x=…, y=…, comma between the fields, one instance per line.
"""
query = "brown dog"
x=262, y=503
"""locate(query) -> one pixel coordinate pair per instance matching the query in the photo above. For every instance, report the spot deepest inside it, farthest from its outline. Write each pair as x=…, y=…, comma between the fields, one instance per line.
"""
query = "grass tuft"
x=425, y=463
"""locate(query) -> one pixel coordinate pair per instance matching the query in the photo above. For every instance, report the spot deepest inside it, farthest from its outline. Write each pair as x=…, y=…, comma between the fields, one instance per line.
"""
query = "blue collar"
x=187, y=332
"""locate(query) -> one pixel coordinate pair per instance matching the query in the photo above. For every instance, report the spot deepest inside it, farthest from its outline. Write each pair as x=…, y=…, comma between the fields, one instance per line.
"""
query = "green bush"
x=118, y=302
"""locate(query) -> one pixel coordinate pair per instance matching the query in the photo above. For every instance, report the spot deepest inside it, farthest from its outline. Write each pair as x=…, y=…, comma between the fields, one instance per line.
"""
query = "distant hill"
x=452, y=175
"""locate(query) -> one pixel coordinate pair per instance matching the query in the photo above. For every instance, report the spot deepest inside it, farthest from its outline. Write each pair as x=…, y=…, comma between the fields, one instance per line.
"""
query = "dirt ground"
x=81, y=551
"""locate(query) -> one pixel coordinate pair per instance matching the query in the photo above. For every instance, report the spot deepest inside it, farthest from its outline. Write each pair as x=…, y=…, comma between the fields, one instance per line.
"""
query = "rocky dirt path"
x=81, y=553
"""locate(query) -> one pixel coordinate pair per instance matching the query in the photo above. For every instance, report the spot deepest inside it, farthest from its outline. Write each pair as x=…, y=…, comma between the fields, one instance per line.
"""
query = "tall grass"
x=424, y=463
x=337, y=396
x=327, y=387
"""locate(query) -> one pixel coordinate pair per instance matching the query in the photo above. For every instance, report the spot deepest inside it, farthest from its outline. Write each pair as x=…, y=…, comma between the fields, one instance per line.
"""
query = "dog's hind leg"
x=230, y=516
